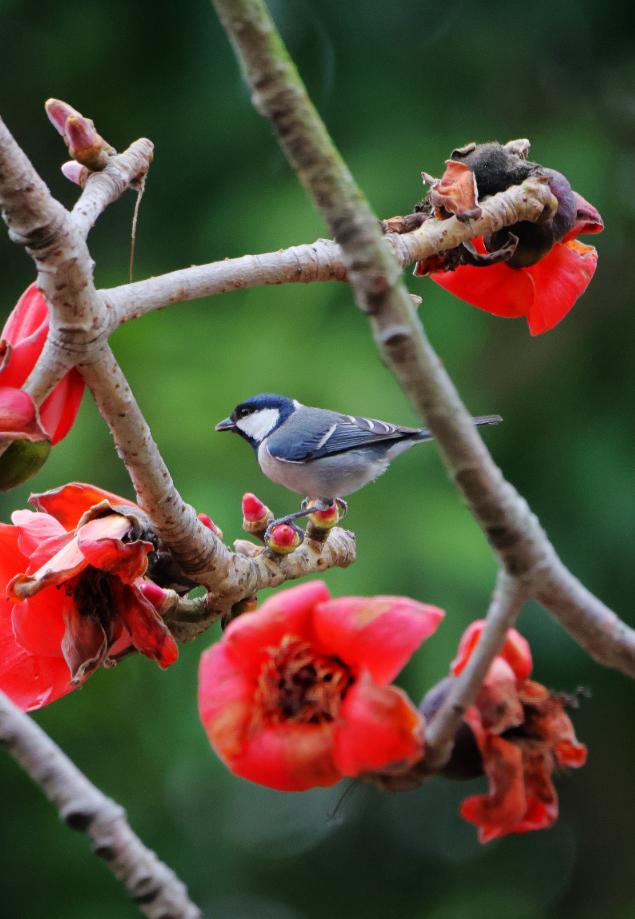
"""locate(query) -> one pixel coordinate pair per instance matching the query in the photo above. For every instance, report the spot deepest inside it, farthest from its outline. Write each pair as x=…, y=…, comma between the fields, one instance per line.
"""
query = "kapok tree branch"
x=153, y=886
x=511, y=528
x=509, y=596
x=322, y=260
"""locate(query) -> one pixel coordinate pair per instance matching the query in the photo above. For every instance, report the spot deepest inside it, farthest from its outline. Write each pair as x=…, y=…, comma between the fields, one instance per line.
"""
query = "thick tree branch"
x=513, y=531
x=322, y=260
x=153, y=886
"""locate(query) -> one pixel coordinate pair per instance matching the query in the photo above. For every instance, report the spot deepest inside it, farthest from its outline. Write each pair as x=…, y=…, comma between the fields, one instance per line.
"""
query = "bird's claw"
x=284, y=541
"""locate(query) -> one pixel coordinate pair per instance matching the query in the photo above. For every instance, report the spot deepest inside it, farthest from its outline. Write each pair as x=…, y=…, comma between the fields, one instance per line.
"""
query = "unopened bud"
x=75, y=172
x=324, y=520
x=84, y=143
x=163, y=600
x=283, y=539
x=256, y=515
x=207, y=521
x=58, y=113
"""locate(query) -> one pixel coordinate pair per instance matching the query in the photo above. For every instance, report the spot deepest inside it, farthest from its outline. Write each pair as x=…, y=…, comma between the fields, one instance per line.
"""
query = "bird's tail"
x=424, y=434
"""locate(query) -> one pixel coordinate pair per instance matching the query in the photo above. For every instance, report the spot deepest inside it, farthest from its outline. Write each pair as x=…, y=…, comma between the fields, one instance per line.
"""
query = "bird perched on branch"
x=321, y=454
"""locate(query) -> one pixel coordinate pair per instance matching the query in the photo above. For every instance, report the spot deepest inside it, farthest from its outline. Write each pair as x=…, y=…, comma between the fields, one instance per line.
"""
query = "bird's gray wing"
x=301, y=440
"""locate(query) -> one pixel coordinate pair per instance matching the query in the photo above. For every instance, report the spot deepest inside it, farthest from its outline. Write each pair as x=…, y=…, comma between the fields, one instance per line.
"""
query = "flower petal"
x=379, y=730
x=456, y=191
x=19, y=419
x=501, y=811
x=59, y=410
x=287, y=612
x=28, y=316
x=100, y=542
x=378, y=634
x=148, y=632
x=63, y=566
x=587, y=219
x=12, y=560
x=69, y=502
x=38, y=623
x=289, y=756
x=34, y=529
x=497, y=289
x=30, y=681
x=515, y=650
x=559, y=278
x=85, y=643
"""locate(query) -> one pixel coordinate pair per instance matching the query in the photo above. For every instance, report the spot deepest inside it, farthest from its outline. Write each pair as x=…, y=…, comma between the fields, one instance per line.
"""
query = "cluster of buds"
x=88, y=149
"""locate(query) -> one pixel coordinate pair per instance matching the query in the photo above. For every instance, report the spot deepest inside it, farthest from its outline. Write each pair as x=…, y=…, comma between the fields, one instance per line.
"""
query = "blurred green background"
x=399, y=84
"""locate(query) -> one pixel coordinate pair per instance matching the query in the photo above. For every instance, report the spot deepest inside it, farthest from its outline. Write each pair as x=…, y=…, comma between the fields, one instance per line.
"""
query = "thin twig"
x=511, y=528
x=509, y=596
x=153, y=886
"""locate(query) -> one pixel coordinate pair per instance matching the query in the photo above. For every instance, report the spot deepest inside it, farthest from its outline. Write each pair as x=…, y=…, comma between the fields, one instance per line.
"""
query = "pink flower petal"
x=70, y=502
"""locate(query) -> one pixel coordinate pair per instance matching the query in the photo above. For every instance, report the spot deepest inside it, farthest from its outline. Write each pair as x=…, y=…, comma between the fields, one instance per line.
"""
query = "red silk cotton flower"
x=536, y=270
x=72, y=585
x=296, y=694
x=22, y=341
x=523, y=735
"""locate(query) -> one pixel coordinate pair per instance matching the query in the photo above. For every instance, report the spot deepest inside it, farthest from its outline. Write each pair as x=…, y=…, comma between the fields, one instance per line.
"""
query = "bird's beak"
x=225, y=425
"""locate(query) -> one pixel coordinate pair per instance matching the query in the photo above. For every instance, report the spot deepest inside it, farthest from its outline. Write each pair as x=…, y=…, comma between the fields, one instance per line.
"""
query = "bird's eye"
x=242, y=412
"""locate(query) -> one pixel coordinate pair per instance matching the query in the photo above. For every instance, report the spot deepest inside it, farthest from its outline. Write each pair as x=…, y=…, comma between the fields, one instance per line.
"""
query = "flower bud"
x=21, y=461
x=58, y=113
x=207, y=521
x=84, y=143
x=324, y=520
x=256, y=515
x=283, y=539
x=75, y=172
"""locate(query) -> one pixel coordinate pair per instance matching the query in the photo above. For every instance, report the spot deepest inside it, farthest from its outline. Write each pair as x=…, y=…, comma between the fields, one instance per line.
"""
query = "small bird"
x=320, y=454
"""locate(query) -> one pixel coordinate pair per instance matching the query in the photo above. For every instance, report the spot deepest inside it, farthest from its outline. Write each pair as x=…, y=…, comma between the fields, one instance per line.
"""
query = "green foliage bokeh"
x=399, y=85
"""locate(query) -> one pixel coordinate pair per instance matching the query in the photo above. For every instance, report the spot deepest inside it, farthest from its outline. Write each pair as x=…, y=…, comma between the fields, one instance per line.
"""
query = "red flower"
x=72, y=575
x=22, y=341
x=532, y=270
x=523, y=734
x=295, y=694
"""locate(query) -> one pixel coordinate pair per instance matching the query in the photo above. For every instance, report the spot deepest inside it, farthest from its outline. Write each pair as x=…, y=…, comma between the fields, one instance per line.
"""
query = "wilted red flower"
x=532, y=270
x=295, y=694
x=71, y=578
x=22, y=341
x=523, y=735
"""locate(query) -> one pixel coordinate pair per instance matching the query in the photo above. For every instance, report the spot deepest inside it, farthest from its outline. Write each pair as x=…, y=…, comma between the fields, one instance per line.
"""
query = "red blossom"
x=296, y=693
x=22, y=341
x=523, y=734
x=74, y=595
x=533, y=270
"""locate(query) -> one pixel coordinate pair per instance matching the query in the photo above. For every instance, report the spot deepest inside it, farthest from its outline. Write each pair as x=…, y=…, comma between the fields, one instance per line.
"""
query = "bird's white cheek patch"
x=261, y=423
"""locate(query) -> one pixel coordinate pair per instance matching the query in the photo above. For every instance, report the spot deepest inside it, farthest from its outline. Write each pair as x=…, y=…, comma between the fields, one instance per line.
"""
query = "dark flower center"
x=296, y=684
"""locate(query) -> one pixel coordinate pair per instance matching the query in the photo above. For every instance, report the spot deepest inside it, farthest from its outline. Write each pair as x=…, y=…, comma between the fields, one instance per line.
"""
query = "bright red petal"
x=59, y=410
x=100, y=542
x=378, y=634
x=288, y=612
x=288, y=756
x=559, y=278
x=501, y=811
x=61, y=567
x=225, y=700
x=29, y=680
x=27, y=316
x=12, y=560
x=497, y=289
x=38, y=623
x=85, y=643
x=148, y=632
x=379, y=730
x=69, y=502
x=19, y=418
x=515, y=650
